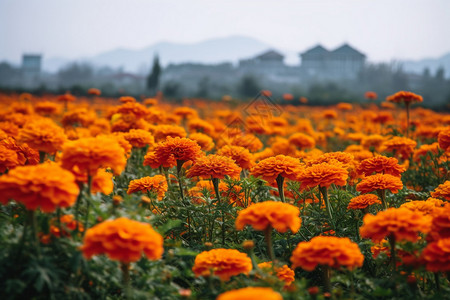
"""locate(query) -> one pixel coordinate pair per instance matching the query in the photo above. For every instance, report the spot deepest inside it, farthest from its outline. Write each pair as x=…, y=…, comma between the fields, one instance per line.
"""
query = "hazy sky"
x=383, y=29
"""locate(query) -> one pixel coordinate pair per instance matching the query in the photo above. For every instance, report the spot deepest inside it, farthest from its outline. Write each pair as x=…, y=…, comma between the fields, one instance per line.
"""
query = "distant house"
x=345, y=62
x=269, y=58
x=31, y=69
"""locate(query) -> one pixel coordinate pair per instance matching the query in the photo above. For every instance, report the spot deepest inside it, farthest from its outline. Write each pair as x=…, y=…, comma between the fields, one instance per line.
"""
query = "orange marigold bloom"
x=156, y=184
x=400, y=145
x=437, y=255
x=224, y=263
x=8, y=159
x=380, y=164
x=402, y=223
x=240, y=155
x=43, y=135
x=139, y=138
x=425, y=207
x=47, y=186
x=346, y=159
x=67, y=97
x=180, y=149
x=199, y=125
x=405, y=97
x=251, y=293
x=442, y=191
x=150, y=159
x=133, y=109
x=281, y=165
x=327, y=250
x=344, y=106
x=373, y=141
x=363, y=201
x=425, y=151
x=249, y=141
x=80, y=116
x=215, y=166
x=102, y=182
x=47, y=108
x=284, y=273
x=68, y=223
x=94, y=91
x=440, y=224
x=444, y=139
x=25, y=154
x=124, y=240
x=302, y=141
x=379, y=182
x=205, y=141
x=370, y=95
x=323, y=175
x=91, y=154
x=161, y=132
x=185, y=112
x=279, y=215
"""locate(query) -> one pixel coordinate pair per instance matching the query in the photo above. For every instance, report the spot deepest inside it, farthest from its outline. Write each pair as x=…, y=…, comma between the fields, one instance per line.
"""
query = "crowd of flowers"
x=156, y=199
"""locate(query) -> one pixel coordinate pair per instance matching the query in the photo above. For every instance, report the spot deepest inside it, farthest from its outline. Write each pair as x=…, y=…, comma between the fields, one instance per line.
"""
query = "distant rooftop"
x=270, y=55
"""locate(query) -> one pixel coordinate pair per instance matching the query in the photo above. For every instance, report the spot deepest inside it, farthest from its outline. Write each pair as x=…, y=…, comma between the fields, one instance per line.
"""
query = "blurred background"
x=325, y=50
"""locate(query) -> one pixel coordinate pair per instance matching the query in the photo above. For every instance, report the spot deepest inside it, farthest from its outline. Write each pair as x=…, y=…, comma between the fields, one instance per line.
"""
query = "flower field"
x=112, y=198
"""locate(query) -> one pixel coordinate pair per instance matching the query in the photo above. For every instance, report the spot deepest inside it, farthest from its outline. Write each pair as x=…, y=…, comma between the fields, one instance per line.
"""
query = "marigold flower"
x=234, y=193
x=373, y=141
x=161, y=132
x=370, y=95
x=279, y=215
x=284, y=273
x=199, y=125
x=379, y=182
x=67, y=223
x=425, y=151
x=180, y=149
x=185, y=112
x=437, y=255
x=249, y=141
x=43, y=135
x=139, y=138
x=440, y=224
x=302, y=141
x=47, y=108
x=405, y=97
x=240, y=155
x=102, y=182
x=215, y=166
x=91, y=154
x=400, y=145
x=402, y=223
x=363, y=201
x=47, y=186
x=205, y=141
x=67, y=97
x=442, y=191
x=270, y=168
x=250, y=293
x=224, y=263
x=425, y=207
x=346, y=159
x=156, y=184
x=323, y=175
x=25, y=154
x=150, y=159
x=444, y=139
x=123, y=240
x=94, y=92
x=133, y=109
x=8, y=159
x=327, y=250
x=380, y=164
x=80, y=116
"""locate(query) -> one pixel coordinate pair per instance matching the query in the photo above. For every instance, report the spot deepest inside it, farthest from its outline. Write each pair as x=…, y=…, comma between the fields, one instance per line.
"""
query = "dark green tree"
x=153, y=77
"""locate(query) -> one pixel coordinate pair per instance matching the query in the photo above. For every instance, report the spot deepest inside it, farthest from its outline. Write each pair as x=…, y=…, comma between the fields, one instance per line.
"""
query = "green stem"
x=77, y=208
x=268, y=238
x=32, y=220
x=125, y=267
x=438, y=284
x=391, y=239
x=382, y=195
x=215, y=182
x=280, y=182
x=88, y=204
x=324, y=192
x=179, y=165
x=326, y=278
x=41, y=156
x=407, y=120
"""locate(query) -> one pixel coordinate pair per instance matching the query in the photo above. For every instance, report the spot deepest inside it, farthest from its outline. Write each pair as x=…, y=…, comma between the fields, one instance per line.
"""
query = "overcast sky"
x=383, y=29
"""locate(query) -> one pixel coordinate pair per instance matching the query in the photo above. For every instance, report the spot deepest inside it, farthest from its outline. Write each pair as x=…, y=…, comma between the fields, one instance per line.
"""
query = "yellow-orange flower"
x=380, y=164
x=215, y=166
x=25, y=154
x=440, y=224
x=43, y=135
x=405, y=97
x=302, y=141
x=437, y=255
x=425, y=207
x=444, y=139
x=8, y=159
x=150, y=159
x=363, y=201
x=156, y=184
x=102, y=182
x=251, y=293
x=402, y=223
x=270, y=168
x=205, y=141
x=400, y=145
x=240, y=155
x=442, y=191
x=425, y=150
x=139, y=138
x=91, y=154
x=279, y=215
x=124, y=240
x=327, y=250
x=224, y=263
x=284, y=273
x=180, y=149
x=379, y=182
x=161, y=132
x=47, y=186
x=373, y=141
x=323, y=175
